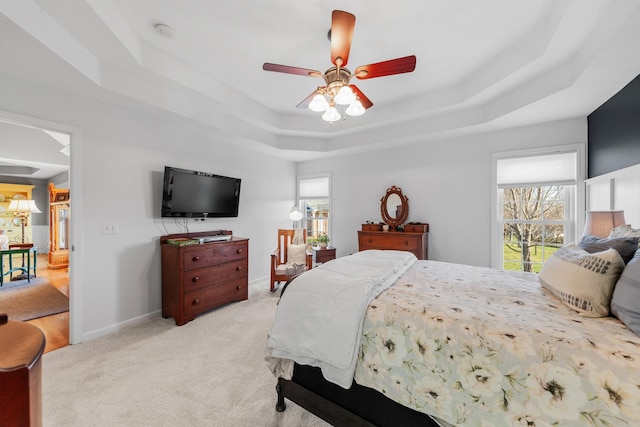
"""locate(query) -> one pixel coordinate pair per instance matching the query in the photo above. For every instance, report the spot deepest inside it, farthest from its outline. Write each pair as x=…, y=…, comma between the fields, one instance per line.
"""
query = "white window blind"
x=314, y=187
x=550, y=169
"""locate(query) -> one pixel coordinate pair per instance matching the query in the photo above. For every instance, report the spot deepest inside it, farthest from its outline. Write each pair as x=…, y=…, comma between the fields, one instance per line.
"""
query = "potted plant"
x=323, y=240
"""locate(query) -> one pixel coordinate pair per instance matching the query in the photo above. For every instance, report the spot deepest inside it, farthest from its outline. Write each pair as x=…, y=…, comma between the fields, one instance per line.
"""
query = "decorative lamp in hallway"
x=22, y=208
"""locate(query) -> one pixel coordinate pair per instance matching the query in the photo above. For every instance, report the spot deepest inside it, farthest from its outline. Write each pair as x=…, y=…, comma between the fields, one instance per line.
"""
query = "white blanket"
x=319, y=318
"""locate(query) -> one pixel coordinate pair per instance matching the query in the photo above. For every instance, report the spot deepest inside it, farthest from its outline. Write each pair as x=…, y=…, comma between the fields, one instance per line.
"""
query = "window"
x=315, y=202
x=536, y=206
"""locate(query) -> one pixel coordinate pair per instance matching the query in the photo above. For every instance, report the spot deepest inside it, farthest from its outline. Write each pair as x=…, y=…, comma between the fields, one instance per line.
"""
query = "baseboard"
x=92, y=335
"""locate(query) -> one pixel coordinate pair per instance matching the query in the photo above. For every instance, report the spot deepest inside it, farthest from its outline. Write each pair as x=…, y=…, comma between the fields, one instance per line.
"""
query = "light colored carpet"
x=22, y=300
x=209, y=372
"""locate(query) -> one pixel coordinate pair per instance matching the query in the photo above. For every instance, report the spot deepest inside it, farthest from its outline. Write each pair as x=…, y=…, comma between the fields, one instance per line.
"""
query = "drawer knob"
x=196, y=258
x=195, y=279
x=238, y=268
x=239, y=251
x=196, y=301
x=370, y=240
x=238, y=288
x=406, y=242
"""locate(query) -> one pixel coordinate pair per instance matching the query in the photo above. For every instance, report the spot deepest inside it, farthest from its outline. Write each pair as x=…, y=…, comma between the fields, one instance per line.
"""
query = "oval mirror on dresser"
x=394, y=207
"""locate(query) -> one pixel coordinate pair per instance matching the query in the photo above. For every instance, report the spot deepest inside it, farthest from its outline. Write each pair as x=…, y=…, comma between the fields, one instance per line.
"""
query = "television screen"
x=194, y=194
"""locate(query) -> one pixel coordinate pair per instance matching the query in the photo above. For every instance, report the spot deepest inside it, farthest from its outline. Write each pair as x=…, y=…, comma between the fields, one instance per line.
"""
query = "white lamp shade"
x=355, y=109
x=331, y=115
x=295, y=214
x=345, y=96
x=23, y=205
x=318, y=103
x=600, y=223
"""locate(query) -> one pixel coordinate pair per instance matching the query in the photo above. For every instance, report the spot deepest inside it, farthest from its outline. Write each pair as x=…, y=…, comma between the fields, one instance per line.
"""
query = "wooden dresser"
x=199, y=277
x=413, y=239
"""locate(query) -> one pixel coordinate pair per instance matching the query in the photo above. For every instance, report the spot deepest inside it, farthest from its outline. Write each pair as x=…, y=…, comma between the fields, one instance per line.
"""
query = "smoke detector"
x=163, y=29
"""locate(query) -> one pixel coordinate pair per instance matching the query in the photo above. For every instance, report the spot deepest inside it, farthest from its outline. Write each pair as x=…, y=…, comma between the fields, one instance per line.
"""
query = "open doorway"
x=38, y=154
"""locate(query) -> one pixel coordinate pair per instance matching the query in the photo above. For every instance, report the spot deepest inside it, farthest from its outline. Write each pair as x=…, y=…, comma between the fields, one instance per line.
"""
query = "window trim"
x=580, y=197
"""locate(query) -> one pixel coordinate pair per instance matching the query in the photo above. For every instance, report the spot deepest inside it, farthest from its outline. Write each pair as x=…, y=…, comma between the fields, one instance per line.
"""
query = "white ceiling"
x=481, y=64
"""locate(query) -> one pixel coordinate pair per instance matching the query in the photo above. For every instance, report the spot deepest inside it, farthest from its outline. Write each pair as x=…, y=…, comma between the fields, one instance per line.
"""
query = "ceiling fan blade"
x=291, y=70
x=305, y=102
x=386, y=68
x=366, y=103
x=342, y=24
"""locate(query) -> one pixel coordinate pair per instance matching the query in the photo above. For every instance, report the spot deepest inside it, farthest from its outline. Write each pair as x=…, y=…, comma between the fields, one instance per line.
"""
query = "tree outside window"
x=533, y=225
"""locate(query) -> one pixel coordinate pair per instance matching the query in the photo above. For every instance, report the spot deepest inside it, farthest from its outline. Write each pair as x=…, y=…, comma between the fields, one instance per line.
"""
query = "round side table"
x=21, y=348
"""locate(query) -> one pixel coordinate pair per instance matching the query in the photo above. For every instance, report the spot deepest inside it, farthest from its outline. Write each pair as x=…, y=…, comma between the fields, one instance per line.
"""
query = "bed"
x=448, y=344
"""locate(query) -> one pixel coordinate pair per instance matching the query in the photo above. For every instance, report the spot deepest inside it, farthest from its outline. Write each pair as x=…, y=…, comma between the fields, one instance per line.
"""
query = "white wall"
x=448, y=183
x=617, y=190
x=118, y=165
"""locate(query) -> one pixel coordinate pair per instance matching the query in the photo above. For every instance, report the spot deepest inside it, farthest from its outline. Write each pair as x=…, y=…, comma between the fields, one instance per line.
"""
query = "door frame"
x=76, y=178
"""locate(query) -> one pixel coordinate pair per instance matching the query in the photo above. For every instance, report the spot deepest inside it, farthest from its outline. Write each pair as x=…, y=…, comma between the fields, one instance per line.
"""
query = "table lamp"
x=22, y=208
x=600, y=223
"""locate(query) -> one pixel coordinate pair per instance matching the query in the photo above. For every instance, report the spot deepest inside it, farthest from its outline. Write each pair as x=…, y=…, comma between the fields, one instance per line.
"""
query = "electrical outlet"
x=111, y=228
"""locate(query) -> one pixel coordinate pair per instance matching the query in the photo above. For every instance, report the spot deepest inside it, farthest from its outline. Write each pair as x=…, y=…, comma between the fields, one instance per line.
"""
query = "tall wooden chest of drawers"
x=199, y=277
x=413, y=239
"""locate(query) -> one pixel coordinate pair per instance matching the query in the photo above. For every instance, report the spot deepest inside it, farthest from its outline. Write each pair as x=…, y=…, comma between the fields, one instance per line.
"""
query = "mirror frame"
x=394, y=222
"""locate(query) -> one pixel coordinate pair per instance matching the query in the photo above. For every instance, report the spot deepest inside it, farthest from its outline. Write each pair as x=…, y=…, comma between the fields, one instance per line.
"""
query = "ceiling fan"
x=337, y=88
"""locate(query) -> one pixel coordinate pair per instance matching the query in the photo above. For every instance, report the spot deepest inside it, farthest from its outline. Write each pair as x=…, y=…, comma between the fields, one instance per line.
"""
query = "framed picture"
x=61, y=197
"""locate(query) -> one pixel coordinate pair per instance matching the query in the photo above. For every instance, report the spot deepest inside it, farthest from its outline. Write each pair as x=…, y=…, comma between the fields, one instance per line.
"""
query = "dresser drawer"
x=415, y=243
x=204, y=255
x=196, y=302
x=215, y=274
x=401, y=243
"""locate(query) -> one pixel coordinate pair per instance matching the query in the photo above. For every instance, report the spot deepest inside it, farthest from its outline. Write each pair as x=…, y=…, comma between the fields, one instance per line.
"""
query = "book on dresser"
x=197, y=277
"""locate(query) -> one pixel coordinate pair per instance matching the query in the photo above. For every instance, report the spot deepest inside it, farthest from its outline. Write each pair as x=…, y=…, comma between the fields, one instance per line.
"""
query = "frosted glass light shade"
x=345, y=96
x=601, y=223
x=331, y=115
x=295, y=214
x=318, y=103
x=355, y=109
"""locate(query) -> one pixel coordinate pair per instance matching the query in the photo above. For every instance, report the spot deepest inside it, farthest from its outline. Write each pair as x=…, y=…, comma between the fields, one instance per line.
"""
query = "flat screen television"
x=193, y=194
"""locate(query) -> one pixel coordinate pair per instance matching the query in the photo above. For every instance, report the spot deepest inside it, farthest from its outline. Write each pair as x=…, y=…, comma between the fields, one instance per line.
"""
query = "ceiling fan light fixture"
x=338, y=90
x=318, y=103
x=331, y=115
x=345, y=96
x=355, y=109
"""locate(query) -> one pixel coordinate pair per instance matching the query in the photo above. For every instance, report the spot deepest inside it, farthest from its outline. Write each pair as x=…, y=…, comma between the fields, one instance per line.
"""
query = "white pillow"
x=624, y=231
x=582, y=280
x=297, y=254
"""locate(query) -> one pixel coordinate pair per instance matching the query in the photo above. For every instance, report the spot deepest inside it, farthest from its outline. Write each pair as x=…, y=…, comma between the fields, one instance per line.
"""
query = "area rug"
x=22, y=300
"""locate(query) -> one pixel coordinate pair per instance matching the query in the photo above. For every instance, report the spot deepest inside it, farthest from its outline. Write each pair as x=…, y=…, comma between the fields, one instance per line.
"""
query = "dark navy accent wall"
x=614, y=132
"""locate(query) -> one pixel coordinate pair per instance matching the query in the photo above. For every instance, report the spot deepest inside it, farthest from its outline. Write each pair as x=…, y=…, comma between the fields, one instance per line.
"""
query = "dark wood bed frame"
x=356, y=407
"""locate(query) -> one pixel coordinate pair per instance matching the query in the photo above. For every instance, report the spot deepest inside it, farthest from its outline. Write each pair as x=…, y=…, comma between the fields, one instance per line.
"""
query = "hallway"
x=55, y=327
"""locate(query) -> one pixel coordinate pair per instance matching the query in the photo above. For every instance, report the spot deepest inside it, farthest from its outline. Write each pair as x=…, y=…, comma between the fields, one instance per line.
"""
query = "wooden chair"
x=280, y=260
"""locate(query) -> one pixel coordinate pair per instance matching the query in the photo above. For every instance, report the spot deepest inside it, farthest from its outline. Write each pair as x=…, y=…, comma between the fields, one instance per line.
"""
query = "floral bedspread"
x=475, y=346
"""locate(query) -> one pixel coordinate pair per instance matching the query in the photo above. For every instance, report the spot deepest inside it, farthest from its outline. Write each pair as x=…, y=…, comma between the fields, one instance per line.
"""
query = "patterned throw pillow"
x=582, y=280
x=626, y=246
x=625, y=304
